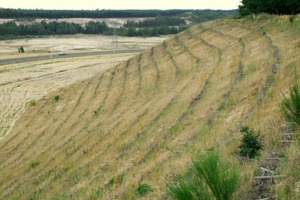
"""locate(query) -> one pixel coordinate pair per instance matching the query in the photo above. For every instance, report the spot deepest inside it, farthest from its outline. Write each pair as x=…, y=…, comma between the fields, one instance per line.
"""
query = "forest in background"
x=58, y=14
x=156, y=22
x=277, y=7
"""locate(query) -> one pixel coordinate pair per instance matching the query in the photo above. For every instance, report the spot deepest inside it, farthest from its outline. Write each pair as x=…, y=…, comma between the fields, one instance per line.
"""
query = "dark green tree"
x=269, y=6
x=251, y=143
x=21, y=50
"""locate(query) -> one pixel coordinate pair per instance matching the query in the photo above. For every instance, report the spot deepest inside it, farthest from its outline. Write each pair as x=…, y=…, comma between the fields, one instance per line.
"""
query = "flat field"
x=73, y=43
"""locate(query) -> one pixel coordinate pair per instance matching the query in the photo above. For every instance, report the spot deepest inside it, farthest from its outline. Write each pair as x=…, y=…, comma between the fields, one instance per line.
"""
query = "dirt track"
x=73, y=44
x=56, y=56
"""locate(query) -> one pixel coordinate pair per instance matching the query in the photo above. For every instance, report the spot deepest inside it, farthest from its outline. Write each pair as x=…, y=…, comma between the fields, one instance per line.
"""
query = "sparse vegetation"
x=290, y=107
x=289, y=187
x=97, y=193
x=34, y=164
x=251, y=143
x=210, y=178
x=59, y=196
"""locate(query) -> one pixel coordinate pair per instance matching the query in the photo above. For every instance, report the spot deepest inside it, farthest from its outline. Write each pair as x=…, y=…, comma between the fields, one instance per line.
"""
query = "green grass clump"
x=34, y=164
x=290, y=106
x=96, y=193
x=210, y=179
x=143, y=189
x=32, y=103
x=60, y=196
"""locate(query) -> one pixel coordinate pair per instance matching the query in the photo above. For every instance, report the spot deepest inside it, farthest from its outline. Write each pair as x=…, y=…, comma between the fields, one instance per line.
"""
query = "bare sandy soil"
x=73, y=43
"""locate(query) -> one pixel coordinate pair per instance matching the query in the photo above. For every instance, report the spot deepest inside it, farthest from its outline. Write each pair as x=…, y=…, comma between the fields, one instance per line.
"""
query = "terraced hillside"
x=22, y=83
x=141, y=120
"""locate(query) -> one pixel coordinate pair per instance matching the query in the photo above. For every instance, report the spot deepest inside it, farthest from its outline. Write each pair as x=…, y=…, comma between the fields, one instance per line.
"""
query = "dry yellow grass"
x=21, y=83
x=140, y=121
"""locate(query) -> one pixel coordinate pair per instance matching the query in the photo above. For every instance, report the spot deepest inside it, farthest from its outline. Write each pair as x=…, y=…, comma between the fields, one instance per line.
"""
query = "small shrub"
x=32, y=103
x=143, y=189
x=292, y=18
x=210, y=178
x=290, y=106
x=251, y=143
x=56, y=98
x=21, y=49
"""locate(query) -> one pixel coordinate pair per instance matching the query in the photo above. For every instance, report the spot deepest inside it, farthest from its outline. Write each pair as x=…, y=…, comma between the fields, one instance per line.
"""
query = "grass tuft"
x=143, y=189
x=57, y=98
x=210, y=178
x=34, y=164
x=32, y=103
x=290, y=106
x=96, y=193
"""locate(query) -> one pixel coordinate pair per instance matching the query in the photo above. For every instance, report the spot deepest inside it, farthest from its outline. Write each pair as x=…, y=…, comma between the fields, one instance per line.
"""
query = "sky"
x=120, y=4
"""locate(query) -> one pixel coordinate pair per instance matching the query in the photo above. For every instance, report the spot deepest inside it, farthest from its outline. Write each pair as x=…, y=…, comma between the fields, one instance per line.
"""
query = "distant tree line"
x=10, y=29
x=43, y=28
x=285, y=7
x=197, y=15
x=55, y=14
x=153, y=31
x=161, y=25
x=156, y=22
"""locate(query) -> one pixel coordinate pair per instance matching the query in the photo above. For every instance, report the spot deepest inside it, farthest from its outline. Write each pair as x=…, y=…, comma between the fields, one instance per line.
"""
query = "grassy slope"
x=140, y=121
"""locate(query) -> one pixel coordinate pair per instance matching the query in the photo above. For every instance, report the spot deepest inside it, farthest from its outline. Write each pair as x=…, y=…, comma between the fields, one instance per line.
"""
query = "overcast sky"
x=120, y=4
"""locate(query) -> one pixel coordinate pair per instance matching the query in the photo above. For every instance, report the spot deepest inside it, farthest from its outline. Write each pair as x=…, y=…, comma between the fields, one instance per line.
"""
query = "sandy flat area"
x=73, y=43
